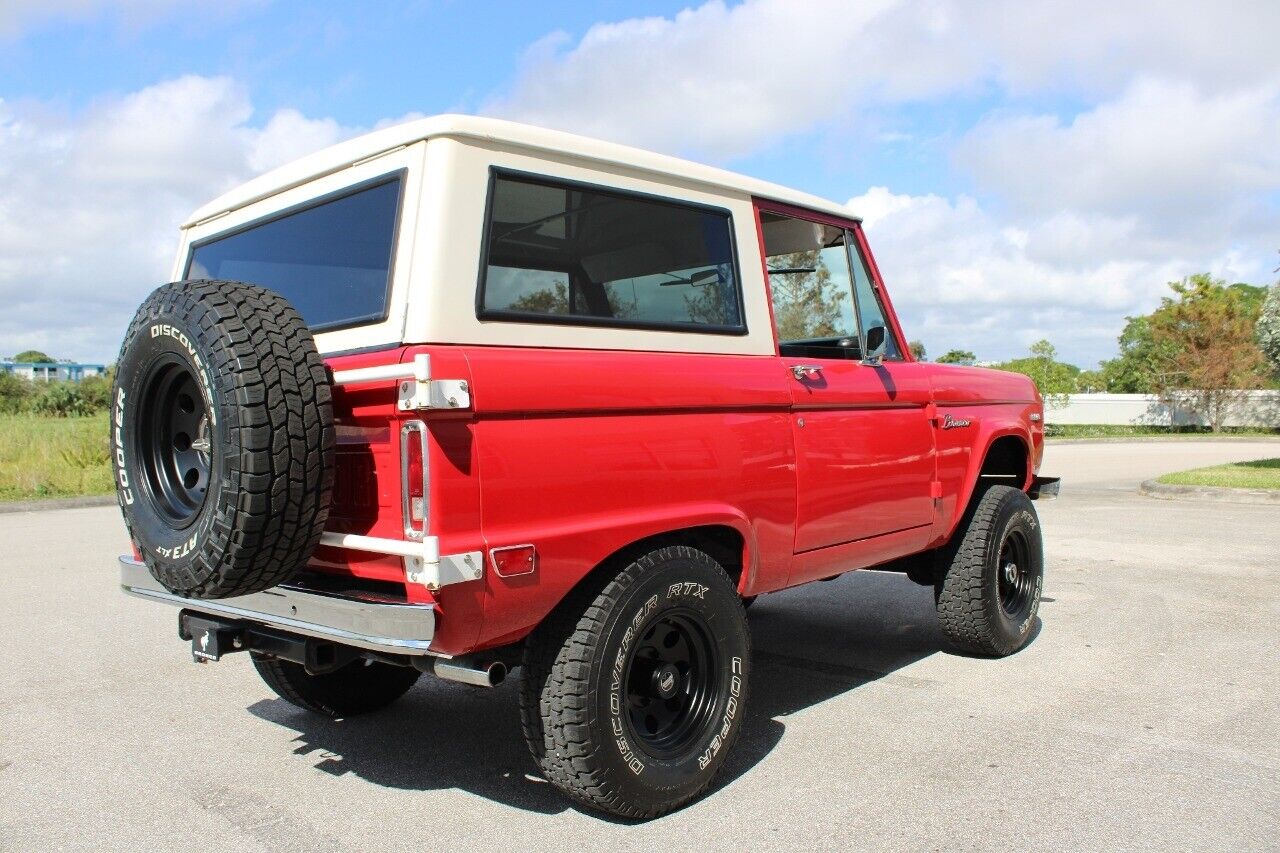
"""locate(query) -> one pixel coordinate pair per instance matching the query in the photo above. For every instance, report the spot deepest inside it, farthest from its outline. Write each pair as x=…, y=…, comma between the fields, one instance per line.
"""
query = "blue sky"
x=1040, y=170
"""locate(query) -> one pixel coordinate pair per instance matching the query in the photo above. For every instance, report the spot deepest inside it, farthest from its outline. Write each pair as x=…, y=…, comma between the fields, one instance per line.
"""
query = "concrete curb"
x=57, y=503
x=1223, y=494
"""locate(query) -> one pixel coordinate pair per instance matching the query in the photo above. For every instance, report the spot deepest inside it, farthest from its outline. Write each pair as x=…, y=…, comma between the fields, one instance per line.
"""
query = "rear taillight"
x=413, y=476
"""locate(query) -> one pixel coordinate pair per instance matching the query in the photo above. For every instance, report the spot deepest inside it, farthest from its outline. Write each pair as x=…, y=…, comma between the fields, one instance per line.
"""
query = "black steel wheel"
x=992, y=575
x=634, y=689
x=672, y=689
x=173, y=441
x=1014, y=575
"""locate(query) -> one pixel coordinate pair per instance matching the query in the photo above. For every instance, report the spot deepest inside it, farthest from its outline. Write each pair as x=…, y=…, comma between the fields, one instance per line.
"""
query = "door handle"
x=806, y=371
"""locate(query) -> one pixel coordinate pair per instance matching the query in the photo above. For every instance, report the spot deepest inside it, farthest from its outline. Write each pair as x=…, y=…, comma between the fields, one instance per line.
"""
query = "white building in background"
x=52, y=371
x=1256, y=409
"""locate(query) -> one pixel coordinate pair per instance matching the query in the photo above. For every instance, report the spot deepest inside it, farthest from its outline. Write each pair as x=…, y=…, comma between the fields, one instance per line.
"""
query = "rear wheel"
x=357, y=688
x=988, y=594
x=633, y=693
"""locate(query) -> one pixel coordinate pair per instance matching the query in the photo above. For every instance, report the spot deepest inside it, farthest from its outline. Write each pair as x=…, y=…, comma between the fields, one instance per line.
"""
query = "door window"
x=870, y=308
x=823, y=296
x=811, y=287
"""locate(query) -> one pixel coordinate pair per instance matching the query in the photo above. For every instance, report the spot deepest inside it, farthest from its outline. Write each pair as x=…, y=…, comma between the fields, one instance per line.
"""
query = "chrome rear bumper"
x=363, y=622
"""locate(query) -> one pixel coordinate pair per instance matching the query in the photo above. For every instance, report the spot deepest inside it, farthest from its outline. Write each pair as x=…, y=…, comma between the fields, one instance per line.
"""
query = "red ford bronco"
x=463, y=395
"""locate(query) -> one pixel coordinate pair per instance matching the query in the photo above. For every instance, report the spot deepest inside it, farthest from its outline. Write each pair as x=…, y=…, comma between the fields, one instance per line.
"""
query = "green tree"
x=1090, y=382
x=33, y=355
x=805, y=304
x=957, y=356
x=1055, y=379
x=1144, y=358
x=1204, y=336
x=918, y=351
x=1267, y=328
x=1136, y=369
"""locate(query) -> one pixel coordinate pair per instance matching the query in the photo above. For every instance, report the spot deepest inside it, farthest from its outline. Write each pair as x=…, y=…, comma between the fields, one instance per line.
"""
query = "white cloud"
x=722, y=81
x=89, y=203
x=962, y=278
x=1160, y=147
x=1171, y=167
x=713, y=79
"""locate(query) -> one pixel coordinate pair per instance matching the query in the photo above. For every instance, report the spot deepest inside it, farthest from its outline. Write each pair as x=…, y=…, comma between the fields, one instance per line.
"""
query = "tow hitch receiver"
x=211, y=637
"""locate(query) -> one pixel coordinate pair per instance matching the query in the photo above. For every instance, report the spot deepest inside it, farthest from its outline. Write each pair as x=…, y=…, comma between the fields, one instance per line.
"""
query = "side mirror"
x=875, y=345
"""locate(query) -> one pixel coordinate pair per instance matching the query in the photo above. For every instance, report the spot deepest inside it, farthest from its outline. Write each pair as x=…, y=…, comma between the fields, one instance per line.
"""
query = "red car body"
x=584, y=454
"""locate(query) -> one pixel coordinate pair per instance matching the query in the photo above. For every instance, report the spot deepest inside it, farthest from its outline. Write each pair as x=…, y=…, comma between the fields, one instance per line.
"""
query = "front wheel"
x=988, y=593
x=633, y=693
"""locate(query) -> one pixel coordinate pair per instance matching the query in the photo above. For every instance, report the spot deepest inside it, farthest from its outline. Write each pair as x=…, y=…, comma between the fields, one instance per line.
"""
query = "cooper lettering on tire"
x=222, y=438
x=634, y=689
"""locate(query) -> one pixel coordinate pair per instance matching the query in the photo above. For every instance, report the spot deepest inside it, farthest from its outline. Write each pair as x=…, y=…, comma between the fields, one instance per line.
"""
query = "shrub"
x=96, y=390
x=15, y=394
x=61, y=399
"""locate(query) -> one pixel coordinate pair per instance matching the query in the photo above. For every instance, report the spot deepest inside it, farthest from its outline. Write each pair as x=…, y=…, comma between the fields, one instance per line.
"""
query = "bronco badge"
x=949, y=422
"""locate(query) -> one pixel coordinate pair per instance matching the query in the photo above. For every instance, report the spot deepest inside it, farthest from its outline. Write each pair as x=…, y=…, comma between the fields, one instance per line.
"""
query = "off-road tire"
x=971, y=611
x=578, y=670
x=359, y=687
x=260, y=472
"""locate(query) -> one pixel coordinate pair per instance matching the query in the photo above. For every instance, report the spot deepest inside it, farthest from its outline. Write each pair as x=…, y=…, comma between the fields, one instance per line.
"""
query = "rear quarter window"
x=563, y=252
x=332, y=259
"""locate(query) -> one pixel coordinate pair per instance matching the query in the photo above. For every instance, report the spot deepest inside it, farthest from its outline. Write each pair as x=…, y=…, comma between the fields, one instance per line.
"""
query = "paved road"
x=1143, y=716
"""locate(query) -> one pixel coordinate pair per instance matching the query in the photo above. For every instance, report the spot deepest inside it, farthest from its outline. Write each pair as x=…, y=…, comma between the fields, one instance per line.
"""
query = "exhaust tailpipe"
x=465, y=670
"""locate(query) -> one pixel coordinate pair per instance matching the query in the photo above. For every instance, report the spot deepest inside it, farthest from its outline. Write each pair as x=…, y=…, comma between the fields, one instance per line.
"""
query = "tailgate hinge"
x=417, y=389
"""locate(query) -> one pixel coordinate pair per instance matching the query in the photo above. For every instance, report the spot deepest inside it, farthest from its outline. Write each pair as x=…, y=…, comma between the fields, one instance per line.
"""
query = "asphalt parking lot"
x=1143, y=716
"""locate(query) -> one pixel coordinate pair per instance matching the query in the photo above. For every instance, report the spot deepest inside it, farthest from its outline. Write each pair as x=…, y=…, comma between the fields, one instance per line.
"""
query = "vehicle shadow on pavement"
x=810, y=644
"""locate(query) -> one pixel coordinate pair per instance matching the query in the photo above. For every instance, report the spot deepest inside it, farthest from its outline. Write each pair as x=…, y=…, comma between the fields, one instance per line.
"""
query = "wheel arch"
x=1005, y=460
x=726, y=537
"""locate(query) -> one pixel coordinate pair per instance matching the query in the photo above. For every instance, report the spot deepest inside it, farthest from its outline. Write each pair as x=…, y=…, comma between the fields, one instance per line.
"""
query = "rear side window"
x=572, y=253
x=332, y=260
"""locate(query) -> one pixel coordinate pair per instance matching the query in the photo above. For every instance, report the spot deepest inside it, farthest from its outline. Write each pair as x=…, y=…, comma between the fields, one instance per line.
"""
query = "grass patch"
x=1262, y=474
x=46, y=457
x=1128, y=430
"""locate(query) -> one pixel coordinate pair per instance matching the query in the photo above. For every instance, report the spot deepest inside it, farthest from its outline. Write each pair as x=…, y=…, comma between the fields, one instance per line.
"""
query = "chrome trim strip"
x=395, y=628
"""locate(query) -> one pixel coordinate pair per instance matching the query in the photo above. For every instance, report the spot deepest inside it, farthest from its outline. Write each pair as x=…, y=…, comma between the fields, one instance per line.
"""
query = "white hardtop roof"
x=338, y=157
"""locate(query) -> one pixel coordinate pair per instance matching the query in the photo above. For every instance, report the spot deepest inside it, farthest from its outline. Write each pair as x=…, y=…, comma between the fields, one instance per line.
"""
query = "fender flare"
x=990, y=435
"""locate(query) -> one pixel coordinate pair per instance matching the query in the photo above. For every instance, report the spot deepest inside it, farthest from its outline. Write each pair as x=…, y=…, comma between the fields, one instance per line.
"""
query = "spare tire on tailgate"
x=222, y=437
